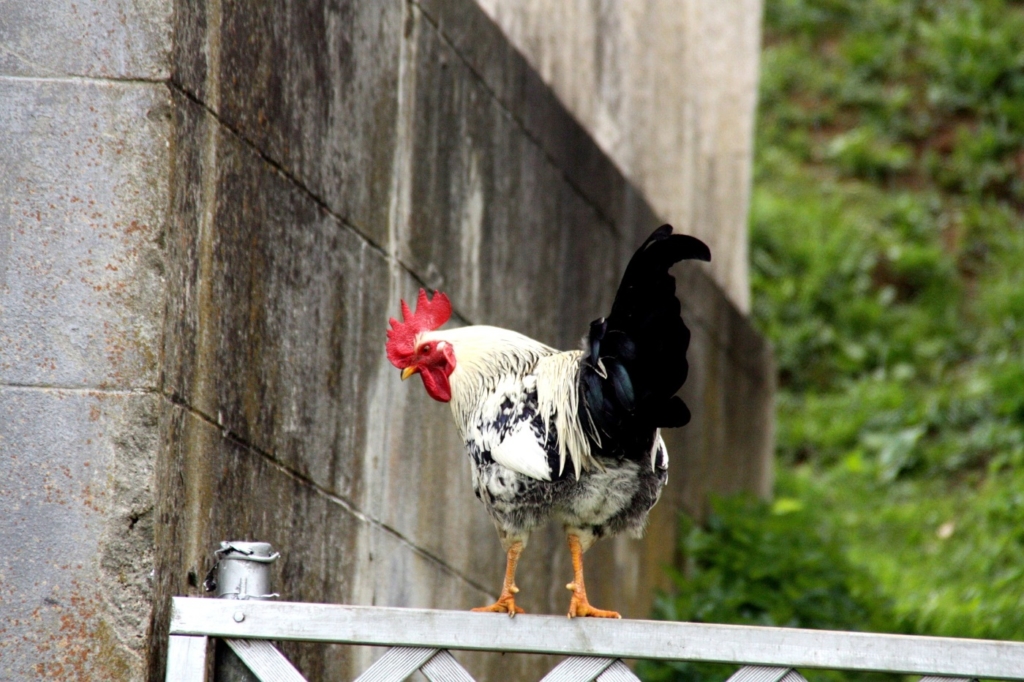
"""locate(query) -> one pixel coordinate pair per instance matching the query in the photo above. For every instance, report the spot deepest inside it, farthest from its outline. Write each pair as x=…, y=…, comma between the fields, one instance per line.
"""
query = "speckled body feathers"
x=611, y=497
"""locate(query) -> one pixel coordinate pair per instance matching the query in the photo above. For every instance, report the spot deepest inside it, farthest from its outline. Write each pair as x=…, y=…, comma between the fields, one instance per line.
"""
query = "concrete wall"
x=84, y=133
x=209, y=212
x=668, y=89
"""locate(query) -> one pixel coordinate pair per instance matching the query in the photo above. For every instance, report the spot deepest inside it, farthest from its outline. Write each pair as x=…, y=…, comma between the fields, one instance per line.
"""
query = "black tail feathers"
x=636, y=358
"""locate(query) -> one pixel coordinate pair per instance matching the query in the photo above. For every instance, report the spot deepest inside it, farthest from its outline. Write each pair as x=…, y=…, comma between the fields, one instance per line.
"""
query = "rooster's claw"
x=505, y=604
x=580, y=608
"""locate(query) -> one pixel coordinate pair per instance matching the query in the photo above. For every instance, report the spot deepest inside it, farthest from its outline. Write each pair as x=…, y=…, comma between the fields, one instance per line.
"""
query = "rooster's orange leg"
x=579, y=606
x=507, y=601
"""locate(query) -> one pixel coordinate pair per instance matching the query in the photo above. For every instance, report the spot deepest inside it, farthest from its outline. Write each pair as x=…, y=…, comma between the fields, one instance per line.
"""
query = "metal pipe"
x=242, y=572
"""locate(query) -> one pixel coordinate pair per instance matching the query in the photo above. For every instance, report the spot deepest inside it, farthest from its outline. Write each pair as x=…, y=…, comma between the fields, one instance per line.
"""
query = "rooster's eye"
x=425, y=349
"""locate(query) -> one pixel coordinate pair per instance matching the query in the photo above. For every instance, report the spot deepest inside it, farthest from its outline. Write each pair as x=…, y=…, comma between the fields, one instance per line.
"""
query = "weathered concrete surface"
x=101, y=39
x=80, y=261
x=668, y=89
x=195, y=280
x=84, y=197
x=77, y=532
x=313, y=85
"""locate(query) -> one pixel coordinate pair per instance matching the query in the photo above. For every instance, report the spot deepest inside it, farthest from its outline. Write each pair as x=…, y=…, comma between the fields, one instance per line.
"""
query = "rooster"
x=567, y=435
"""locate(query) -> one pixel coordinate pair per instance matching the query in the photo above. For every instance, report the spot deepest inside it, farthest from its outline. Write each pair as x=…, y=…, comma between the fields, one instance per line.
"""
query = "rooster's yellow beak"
x=409, y=371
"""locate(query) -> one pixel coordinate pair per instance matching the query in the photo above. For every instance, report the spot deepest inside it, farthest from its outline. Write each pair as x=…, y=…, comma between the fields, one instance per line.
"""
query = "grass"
x=887, y=267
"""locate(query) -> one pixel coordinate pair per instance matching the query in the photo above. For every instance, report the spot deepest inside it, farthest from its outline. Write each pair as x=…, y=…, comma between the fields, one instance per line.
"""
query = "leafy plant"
x=760, y=564
x=887, y=267
x=887, y=238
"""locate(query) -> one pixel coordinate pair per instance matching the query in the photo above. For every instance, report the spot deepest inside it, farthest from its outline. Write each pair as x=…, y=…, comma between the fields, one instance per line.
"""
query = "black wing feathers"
x=637, y=355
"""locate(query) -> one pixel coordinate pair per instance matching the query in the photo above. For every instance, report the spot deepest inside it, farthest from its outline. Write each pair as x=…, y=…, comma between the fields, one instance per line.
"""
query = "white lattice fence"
x=421, y=639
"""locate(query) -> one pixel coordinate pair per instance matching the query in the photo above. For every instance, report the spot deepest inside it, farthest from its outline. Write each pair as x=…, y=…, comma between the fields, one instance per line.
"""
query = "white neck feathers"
x=488, y=358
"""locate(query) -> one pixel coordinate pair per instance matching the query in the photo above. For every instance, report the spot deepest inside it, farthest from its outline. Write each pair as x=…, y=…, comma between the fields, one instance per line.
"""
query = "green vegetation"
x=780, y=565
x=888, y=269
x=887, y=242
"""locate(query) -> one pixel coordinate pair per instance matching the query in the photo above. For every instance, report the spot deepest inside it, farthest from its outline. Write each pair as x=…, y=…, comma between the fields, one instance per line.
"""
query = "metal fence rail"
x=421, y=639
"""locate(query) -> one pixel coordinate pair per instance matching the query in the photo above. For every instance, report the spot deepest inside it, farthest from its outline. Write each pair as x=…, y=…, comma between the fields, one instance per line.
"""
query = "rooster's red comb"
x=430, y=314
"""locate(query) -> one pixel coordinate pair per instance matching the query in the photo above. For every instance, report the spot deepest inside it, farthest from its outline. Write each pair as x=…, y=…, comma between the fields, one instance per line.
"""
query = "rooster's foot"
x=507, y=601
x=506, y=604
x=579, y=607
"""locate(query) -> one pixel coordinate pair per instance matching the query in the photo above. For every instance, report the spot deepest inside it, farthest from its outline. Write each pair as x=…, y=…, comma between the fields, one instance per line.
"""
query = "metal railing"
x=422, y=638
